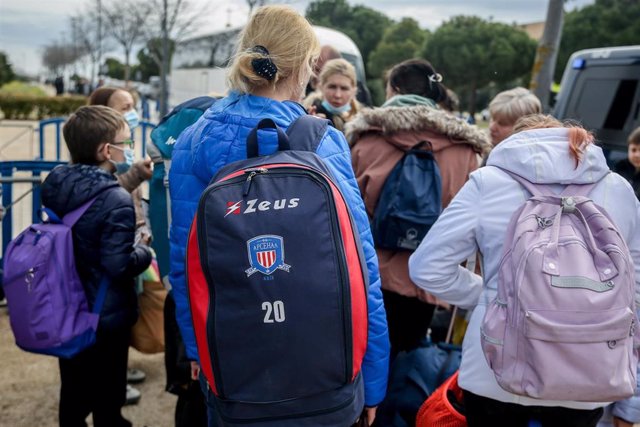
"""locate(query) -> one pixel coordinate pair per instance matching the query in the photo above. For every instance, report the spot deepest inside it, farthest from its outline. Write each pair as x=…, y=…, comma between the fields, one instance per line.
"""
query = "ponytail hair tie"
x=264, y=67
x=435, y=78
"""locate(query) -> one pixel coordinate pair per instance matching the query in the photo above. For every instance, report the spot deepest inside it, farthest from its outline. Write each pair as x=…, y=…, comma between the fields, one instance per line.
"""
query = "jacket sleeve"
x=131, y=179
x=119, y=257
x=185, y=189
x=435, y=265
x=335, y=152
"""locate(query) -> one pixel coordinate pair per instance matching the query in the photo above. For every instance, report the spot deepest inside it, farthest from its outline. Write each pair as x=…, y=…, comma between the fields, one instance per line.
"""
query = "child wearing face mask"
x=94, y=381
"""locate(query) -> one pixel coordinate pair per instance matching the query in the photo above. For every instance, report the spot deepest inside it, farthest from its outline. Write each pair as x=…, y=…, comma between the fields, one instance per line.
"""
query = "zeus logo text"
x=255, y=205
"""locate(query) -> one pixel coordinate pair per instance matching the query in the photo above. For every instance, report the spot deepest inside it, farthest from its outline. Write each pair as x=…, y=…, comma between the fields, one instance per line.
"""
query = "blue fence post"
x=145, y=108
x=43, y=123
x=6, y=171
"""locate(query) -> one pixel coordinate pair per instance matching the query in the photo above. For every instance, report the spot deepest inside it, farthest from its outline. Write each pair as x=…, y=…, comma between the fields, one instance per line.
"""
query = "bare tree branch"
x=126, y=26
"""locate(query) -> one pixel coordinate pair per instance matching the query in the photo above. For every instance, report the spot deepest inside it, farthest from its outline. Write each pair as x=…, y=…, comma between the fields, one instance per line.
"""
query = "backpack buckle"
x=568, y=204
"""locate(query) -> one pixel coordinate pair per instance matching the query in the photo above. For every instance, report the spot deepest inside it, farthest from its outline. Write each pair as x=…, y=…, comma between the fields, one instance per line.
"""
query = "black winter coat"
x=103, y=238
x=628, y=171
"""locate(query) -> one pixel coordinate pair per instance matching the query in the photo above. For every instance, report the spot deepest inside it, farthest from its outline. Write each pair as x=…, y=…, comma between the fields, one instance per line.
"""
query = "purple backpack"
x=563, y=325
x=48, y=309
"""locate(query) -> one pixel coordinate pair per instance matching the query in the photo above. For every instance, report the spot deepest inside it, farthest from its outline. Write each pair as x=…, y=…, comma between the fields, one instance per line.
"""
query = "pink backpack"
x=563, y=324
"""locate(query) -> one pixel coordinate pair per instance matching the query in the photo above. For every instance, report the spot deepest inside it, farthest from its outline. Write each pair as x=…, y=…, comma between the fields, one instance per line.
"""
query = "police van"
x=600, y=89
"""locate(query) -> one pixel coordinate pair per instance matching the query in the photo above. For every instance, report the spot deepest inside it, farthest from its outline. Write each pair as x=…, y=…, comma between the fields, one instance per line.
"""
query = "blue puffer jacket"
x=218, y=138
x=102, y=238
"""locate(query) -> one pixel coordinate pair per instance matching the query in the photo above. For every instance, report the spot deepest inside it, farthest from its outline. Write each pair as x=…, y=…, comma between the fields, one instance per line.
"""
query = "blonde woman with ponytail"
x=274, y=60
x=541, y=150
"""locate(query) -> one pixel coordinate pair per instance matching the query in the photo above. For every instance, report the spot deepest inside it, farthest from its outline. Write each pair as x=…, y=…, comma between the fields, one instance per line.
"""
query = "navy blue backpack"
x=410, y=201
x=277, y=286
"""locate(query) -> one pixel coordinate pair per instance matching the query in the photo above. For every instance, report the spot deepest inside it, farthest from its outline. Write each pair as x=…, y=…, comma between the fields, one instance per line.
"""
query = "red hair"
x=579, y=137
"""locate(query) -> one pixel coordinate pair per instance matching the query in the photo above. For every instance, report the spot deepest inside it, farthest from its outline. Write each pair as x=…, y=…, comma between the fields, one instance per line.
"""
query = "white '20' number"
x=276, y=309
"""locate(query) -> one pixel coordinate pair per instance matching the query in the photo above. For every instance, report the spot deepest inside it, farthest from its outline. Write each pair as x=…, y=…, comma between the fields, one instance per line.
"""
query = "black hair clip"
x=264, y=67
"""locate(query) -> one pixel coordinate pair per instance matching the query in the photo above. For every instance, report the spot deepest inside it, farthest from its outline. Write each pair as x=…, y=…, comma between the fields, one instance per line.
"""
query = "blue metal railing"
x=57, y=121
x=7, y=178
x=145, y=127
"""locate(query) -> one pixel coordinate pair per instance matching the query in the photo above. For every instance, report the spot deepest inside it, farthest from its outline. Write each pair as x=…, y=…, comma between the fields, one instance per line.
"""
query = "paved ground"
x=29, y=384
x=30, y=387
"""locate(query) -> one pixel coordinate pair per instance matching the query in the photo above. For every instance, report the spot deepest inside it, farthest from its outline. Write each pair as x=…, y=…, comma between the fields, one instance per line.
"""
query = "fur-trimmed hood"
x=393, y=120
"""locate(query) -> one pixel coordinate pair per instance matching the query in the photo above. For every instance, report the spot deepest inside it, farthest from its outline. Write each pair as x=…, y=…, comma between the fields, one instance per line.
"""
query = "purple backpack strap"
x=534, y=189
x=72, y=217
x=581, y=189
x=543, y=189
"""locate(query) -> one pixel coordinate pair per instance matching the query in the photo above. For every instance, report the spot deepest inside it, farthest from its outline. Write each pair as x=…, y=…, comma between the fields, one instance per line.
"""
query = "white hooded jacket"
x=477, y=220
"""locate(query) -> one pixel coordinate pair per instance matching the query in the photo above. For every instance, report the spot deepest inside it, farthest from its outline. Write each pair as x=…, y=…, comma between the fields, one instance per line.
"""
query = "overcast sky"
x=28, y=25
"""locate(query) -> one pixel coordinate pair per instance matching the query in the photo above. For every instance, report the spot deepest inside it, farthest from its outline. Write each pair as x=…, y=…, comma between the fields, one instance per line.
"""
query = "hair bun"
x=264, y=67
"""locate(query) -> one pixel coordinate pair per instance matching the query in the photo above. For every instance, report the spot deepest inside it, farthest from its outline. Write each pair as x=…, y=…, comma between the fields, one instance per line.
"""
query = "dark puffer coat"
x=103, y=237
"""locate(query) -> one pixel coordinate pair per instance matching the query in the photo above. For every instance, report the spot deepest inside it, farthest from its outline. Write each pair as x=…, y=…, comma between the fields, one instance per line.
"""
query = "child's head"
x=507, y=107
x=579, y=138
x=633, y=152
x=90, y=131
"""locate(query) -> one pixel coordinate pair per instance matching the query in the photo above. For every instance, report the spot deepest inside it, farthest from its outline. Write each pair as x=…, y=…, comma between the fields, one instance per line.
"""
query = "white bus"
x=199, y=64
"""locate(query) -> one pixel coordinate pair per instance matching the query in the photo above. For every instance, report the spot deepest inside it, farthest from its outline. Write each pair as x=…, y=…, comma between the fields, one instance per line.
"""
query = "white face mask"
x=132, y=118
x=336, y=110
x=122, y=167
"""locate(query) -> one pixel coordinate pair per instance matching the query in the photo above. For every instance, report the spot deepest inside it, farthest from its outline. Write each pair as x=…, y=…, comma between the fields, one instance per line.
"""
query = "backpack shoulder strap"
x=306, y=132
x=72, y=217
x=534, y=189
x=581, y=189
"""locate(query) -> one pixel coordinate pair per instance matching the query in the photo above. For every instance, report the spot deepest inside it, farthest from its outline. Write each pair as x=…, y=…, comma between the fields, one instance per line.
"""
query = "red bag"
x=438, y=411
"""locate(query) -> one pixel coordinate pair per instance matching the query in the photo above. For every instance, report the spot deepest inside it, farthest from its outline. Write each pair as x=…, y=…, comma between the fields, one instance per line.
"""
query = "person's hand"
x=313, y=111
x=371, y=414
x=619, y=422
x=145, y=168
x=145, y=239
x=195, y=370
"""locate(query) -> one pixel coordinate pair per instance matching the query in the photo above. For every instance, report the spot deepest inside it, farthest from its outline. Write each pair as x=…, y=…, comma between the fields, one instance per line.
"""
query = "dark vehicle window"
x=605, y=99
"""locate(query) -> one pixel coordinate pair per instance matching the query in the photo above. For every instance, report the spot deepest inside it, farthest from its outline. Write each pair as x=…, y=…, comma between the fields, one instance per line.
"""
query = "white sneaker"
x=135, y=376
x=133, y=395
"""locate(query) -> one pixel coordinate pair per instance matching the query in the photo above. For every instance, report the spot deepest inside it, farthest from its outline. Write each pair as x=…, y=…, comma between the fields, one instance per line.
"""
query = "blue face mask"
x=122, y=167
x=132, y=118
x=336, y=110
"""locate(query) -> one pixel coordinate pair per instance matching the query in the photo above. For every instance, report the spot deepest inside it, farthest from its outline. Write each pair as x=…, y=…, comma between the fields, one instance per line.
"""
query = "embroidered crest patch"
x=266, y=255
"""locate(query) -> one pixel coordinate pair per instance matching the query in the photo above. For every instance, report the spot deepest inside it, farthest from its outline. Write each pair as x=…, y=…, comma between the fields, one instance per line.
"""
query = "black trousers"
x=408, y=320
x=482, y=411
x=95, y=382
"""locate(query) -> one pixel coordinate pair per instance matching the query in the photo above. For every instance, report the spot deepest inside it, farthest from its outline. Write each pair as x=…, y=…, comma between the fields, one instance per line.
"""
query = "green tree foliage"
x=604, y=23
x=400, y=41
x=147, y=66
x=364, y=25
x=470, y=53
x=115, y=68
x=6, y=70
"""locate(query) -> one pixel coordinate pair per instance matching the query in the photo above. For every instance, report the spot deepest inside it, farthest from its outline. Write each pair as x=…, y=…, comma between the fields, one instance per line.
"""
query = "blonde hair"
x=290, y=40
x=579, y=137
x=338, y=66
x=512, y=104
